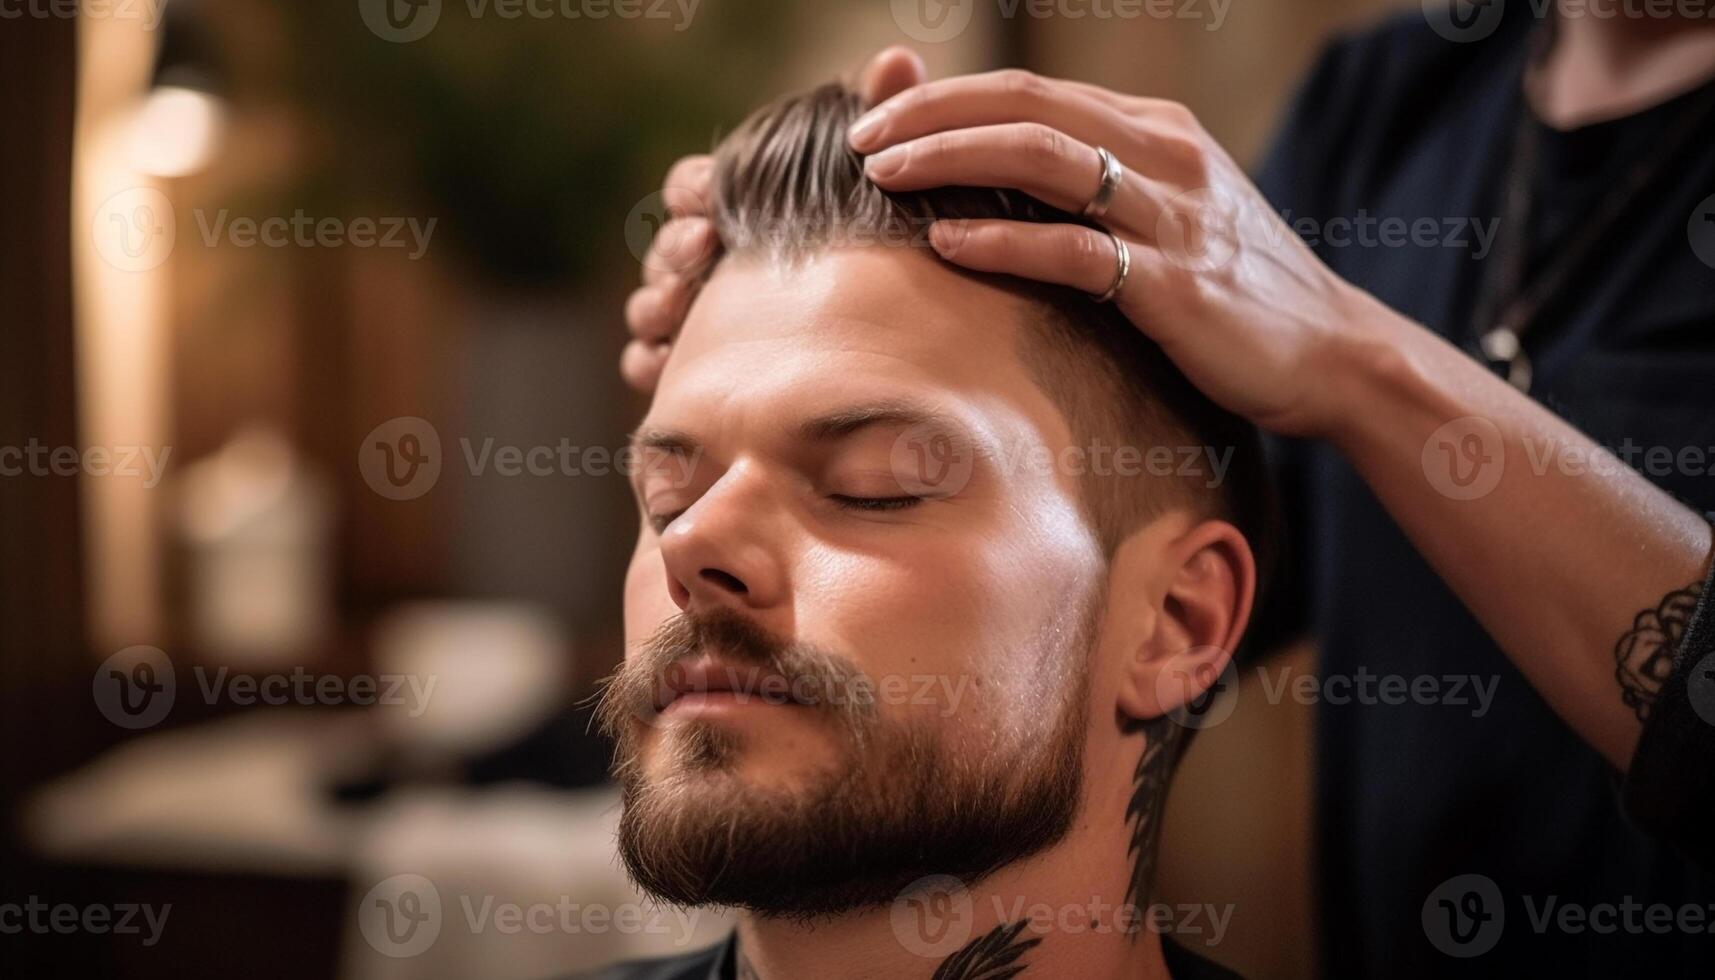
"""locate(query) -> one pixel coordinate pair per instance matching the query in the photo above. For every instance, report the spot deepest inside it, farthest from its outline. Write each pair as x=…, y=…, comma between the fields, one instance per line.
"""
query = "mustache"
x=816, y=679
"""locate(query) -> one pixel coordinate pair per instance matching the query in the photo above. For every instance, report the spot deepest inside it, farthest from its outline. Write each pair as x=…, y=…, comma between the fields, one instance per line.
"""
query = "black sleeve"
x=1669, y=789
x=1301, y=169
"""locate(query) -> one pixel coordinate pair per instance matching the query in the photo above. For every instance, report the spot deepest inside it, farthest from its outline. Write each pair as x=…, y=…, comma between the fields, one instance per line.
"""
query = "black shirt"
x=719, y=962
x=1401, y=123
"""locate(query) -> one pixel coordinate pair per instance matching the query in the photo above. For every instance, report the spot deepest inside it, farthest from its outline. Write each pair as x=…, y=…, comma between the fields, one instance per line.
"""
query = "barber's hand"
x=1230, y=293
x=687, y=239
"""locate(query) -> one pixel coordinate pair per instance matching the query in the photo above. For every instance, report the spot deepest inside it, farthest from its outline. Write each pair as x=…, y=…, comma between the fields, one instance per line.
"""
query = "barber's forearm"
x=1557, y=560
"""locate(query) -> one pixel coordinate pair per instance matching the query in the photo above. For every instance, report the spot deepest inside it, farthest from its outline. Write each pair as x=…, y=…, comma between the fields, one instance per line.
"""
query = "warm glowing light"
x=176, y=130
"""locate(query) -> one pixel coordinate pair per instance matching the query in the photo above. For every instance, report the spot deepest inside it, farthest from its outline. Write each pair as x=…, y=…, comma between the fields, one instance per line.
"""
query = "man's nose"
x=724, y=550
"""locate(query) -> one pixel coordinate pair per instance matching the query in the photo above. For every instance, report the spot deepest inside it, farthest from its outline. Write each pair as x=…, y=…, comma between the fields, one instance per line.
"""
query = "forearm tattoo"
x=1163, y=741
x=1643, y=658
x=992, y=956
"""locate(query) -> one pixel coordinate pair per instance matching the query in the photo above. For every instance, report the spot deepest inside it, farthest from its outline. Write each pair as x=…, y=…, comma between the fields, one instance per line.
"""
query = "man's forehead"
x=892, y=315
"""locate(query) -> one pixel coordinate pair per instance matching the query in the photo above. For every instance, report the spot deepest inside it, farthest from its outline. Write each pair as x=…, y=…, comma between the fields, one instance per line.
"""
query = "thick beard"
x=898, y=805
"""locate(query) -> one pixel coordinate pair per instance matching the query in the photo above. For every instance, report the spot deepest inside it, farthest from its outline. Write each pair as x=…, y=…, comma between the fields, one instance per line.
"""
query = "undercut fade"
x=787, y=185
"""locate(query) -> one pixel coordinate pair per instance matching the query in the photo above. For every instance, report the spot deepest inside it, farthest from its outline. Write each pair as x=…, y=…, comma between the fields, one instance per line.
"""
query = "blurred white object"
x=246, y=793
x=497, y=669
x=176, y=130
x=513, y=883
x=256, y=527
x=518, y=882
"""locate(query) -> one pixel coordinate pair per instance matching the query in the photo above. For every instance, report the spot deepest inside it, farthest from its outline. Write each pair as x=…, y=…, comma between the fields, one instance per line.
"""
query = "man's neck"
x=1605, y=67
x=1068, y=912
x=950, y=935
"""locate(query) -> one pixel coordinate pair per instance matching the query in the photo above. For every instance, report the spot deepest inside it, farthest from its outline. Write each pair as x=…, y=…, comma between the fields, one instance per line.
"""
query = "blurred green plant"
x=530, y=140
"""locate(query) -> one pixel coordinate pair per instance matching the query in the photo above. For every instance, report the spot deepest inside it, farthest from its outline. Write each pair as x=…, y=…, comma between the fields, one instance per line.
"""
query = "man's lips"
x=707, y=675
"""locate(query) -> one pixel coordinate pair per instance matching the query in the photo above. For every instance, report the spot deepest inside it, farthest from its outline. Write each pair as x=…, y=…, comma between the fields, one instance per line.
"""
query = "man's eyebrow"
x=847, y=421
x=827, y=427
x=673, y=441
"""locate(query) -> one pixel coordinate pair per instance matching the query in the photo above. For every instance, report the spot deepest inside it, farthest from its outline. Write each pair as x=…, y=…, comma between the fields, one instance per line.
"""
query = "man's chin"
x=705, y=823
x=723, y=842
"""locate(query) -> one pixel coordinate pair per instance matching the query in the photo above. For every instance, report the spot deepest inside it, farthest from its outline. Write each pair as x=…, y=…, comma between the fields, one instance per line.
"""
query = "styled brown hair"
x=786, y=185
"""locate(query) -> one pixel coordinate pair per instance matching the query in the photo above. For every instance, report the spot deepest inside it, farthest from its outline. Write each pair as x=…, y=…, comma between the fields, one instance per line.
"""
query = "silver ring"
x=1111, y=174
x=1122, y=259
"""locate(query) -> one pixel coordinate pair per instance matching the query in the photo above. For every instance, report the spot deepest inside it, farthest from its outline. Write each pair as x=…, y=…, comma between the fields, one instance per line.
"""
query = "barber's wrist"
x=1377, y=378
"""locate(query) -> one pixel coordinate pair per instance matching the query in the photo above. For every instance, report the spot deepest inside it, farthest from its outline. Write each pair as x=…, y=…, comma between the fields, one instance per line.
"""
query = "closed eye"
x=875, y=503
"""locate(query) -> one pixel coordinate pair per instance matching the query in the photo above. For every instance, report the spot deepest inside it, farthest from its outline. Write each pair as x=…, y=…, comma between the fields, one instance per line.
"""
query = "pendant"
x=1501, y=346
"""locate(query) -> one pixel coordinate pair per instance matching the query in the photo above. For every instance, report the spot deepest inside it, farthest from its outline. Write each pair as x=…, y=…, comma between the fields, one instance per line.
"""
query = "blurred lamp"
x=175, y=131
x=179, y=123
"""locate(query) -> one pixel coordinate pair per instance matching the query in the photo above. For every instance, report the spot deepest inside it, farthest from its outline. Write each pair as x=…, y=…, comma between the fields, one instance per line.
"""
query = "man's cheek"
x=647, y=603
x=920, y=645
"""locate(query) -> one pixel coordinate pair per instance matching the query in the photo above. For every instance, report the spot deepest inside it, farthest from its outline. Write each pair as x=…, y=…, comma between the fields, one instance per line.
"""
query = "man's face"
x=860, y=604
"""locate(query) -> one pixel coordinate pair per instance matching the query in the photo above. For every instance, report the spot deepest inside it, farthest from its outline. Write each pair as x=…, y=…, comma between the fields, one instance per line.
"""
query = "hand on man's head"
x=687, y=240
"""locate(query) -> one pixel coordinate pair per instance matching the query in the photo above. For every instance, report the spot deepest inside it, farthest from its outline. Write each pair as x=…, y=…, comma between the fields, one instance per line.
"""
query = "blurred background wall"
x=288, y=283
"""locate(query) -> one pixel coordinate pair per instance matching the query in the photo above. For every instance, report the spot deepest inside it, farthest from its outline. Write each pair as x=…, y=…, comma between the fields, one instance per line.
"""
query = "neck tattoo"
x=992, y=956
x=1163, y=739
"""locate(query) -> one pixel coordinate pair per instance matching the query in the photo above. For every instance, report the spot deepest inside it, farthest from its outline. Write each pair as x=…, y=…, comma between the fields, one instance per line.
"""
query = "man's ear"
x=1201, y=582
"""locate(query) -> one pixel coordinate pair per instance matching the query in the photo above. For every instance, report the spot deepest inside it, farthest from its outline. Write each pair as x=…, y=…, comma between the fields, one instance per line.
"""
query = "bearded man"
x=933, y=567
